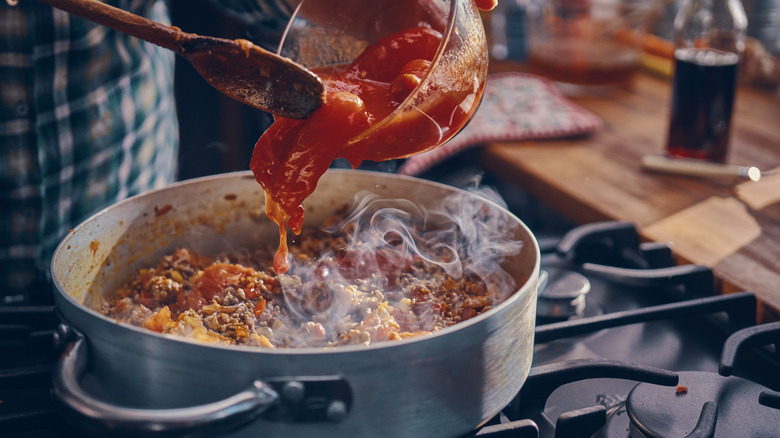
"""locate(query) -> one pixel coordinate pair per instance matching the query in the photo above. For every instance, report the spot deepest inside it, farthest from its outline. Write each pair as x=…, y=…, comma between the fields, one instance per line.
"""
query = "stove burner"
x=704, y=402
x=561, y=294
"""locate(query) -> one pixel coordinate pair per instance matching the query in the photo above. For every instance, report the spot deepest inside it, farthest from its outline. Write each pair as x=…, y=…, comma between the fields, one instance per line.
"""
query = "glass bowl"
x=586, y=42
x=327, y=34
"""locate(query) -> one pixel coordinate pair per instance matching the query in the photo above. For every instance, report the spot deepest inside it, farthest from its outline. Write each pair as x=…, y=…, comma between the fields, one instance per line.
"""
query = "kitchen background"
x=634, y=302
x=218, y=134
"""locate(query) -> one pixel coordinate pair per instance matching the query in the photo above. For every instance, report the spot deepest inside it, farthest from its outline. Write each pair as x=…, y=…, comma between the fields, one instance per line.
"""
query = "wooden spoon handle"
x=168, y=37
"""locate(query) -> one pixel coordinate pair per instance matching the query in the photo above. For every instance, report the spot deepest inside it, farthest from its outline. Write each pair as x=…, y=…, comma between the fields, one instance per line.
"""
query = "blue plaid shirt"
x=87, y=117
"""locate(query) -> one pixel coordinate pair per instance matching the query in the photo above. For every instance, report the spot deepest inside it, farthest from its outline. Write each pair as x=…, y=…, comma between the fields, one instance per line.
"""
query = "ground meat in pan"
x=320, y=302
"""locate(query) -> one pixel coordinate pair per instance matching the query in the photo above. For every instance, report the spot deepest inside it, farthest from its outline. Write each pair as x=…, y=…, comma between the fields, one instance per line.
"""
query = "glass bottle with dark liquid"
x=704, y=86
x=709, y=40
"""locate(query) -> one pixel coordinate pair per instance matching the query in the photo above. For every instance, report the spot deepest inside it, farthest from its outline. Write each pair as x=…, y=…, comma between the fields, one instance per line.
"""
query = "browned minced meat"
x=316, y=304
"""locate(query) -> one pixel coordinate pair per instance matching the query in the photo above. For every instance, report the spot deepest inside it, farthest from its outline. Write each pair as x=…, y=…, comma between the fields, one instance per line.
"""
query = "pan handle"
x=285, y=399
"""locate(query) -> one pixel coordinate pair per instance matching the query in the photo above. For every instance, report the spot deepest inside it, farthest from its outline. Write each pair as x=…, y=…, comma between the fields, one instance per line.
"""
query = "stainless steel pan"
x=129, y=379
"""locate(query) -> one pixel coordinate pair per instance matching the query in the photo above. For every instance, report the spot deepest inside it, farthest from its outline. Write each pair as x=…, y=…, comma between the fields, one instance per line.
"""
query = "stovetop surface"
x=677, y=343
x=639, y=308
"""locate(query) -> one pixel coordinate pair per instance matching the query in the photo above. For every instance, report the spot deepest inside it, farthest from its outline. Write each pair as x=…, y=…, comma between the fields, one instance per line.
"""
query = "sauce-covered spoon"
x=238, y=68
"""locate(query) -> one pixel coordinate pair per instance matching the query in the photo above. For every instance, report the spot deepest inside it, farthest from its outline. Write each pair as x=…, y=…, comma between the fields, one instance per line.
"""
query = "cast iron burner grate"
x=708, y=401
x=642, y=325
x=664, y=403
x=29, y=342
x=655, y=325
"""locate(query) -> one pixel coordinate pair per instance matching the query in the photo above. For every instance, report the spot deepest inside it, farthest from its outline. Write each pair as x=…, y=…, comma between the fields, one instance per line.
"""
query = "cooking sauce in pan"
x=344, y=289
x=292, y=155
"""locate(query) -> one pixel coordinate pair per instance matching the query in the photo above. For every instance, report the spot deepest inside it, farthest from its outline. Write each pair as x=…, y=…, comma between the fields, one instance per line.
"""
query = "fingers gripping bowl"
x=472, y=368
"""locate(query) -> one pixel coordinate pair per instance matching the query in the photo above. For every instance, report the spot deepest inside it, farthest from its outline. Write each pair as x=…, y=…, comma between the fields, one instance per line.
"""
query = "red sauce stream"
x=292, y=155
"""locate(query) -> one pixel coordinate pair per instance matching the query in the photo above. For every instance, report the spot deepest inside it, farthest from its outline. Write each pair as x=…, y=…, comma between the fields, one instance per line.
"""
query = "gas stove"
x=627, y=344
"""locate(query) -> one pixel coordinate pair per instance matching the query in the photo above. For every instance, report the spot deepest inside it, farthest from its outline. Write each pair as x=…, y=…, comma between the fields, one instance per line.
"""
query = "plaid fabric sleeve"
x=88, y=118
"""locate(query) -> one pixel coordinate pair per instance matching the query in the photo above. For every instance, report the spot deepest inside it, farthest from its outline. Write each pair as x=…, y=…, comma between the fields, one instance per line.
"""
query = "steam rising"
x=383, y=270
x=457, y=237
x=460, y=235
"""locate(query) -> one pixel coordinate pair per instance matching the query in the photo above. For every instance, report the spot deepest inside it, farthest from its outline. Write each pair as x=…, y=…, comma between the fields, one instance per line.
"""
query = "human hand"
x=486, y=5
x=398, y=13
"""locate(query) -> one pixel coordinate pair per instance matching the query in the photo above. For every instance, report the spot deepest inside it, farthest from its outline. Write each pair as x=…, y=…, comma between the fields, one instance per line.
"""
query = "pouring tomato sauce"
x=292, y=155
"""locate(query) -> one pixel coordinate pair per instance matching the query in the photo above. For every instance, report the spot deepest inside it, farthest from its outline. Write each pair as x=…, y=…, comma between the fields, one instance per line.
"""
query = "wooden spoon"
x=238, y=68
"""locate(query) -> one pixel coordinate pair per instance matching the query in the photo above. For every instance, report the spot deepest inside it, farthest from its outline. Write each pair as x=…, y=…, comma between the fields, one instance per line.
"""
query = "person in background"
x=87, y=118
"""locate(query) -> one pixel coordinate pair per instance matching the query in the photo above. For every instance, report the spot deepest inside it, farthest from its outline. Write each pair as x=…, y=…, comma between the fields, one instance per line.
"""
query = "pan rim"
x=528, y=286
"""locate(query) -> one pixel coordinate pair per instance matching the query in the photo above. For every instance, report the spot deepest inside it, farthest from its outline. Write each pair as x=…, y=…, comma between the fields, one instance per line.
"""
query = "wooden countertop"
x=731, y=226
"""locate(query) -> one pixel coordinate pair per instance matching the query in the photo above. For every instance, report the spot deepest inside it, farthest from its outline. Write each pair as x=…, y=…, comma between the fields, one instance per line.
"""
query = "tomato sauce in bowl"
x=407, y=92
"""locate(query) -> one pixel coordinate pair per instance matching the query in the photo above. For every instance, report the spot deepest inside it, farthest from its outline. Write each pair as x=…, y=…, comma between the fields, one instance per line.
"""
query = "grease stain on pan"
x=162, y=210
